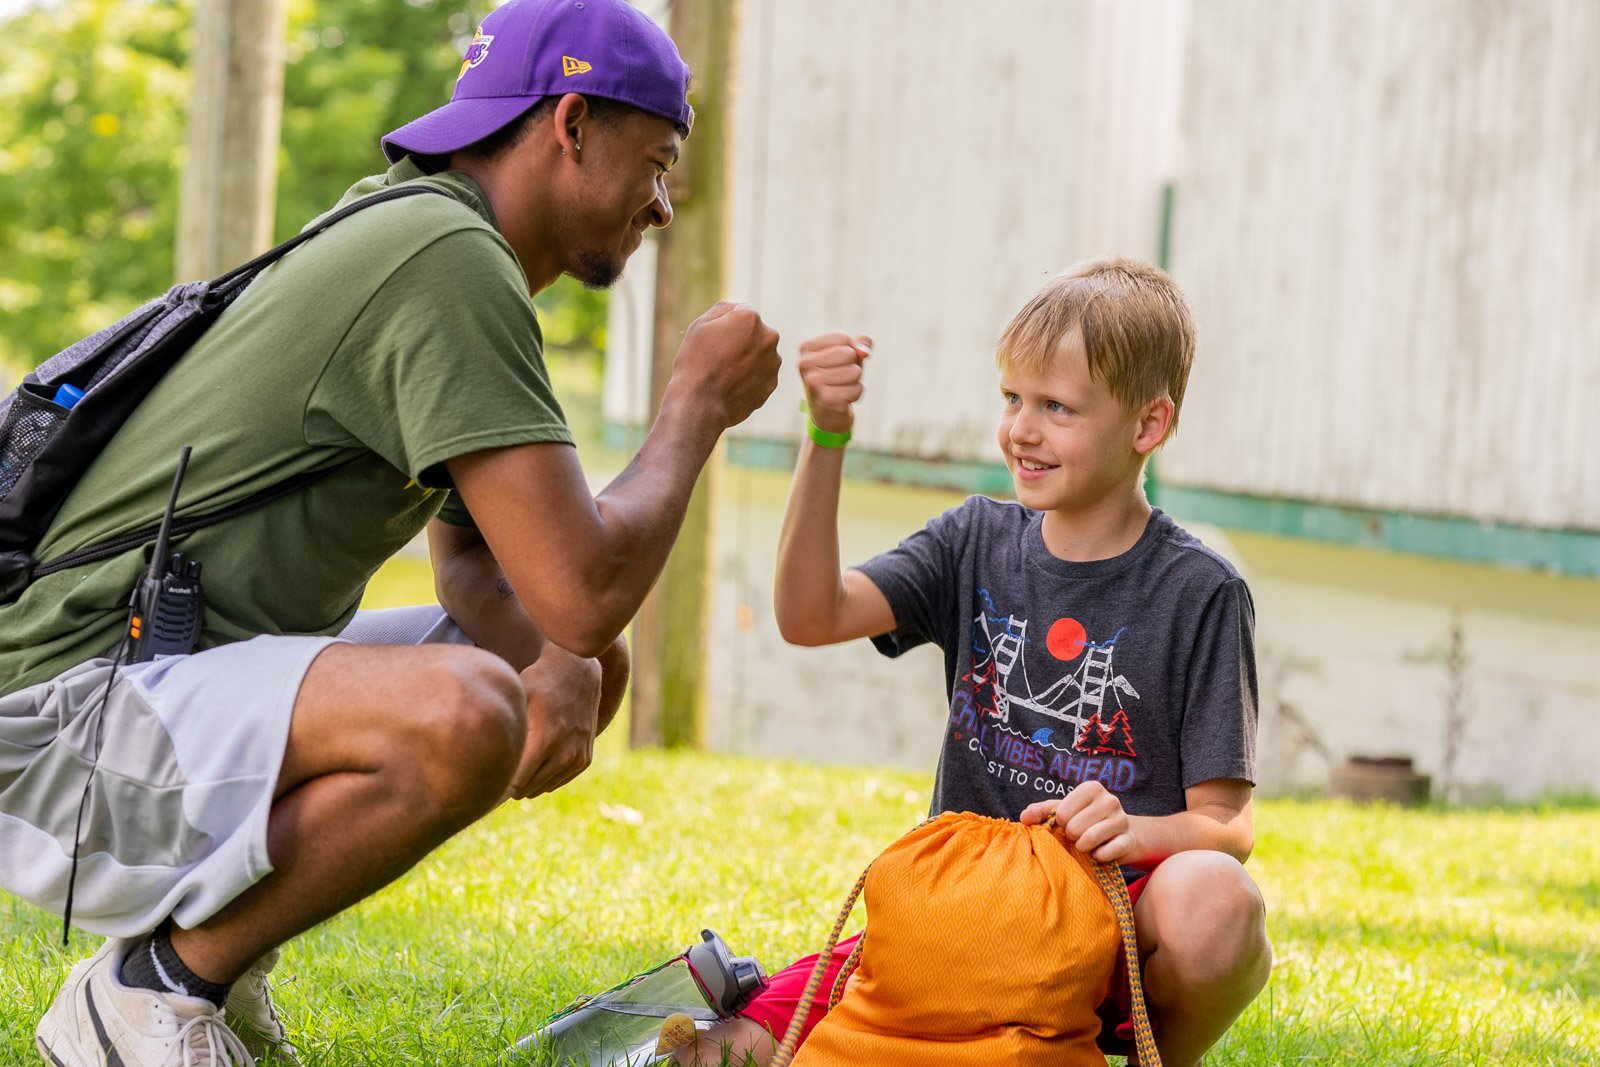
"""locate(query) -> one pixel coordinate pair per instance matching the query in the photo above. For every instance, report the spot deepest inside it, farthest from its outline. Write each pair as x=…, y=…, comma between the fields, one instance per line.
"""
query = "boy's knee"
x=1212, y=919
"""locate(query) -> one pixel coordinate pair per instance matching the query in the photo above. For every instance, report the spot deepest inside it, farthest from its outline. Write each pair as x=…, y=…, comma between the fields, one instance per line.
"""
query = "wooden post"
x=225, y=215
x=669, y=636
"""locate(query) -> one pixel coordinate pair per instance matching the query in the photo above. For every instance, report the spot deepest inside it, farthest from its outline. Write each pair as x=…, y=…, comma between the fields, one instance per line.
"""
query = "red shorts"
x=774, y=1007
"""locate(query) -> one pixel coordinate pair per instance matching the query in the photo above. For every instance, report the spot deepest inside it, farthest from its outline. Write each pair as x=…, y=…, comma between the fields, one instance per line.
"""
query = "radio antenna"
x=158, y=560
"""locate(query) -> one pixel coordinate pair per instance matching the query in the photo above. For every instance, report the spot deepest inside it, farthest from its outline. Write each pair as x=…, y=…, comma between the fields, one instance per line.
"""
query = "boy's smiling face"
x=1069, y=443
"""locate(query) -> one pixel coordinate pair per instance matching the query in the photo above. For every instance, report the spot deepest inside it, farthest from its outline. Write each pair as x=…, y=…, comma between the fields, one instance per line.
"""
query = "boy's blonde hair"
x=1136, y=327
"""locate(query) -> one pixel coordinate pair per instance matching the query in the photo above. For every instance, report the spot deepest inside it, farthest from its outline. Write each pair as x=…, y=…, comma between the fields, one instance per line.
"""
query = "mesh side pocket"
x=31, y=423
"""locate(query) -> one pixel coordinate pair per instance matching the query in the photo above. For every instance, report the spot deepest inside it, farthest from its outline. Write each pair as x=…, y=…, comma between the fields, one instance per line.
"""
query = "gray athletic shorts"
x=190, y=749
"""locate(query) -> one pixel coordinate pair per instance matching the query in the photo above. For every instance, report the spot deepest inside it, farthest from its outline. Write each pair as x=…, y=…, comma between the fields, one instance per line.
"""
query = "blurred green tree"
x=93, y=100
x=357, y=69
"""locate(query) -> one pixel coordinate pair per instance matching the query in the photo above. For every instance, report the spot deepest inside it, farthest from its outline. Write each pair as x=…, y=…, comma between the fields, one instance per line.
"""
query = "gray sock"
x=152, y=963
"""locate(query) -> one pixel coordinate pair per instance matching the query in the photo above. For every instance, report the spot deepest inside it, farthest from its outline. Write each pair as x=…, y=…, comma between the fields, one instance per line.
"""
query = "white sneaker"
x=253, y=1017
x=96, y=1021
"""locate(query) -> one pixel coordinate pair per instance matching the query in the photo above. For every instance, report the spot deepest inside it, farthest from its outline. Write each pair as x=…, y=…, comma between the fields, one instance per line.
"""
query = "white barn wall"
x=840, y=704
x=914, y=169
x=897, y=205
x=1352, y=651
x=1388, y=225
x=1385, y=220
x=1354, y=657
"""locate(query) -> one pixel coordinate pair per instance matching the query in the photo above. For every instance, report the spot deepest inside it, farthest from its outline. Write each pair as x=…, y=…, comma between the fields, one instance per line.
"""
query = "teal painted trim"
x=1575, y=553
x=1570, y=552
x=621, y=436
x=865, y=465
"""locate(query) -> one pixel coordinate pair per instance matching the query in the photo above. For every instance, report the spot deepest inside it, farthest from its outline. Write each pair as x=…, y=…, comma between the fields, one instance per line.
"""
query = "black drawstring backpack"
x=66, y=411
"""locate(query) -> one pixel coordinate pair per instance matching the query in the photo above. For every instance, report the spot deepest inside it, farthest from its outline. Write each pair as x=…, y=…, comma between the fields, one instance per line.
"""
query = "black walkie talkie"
x=167, y=609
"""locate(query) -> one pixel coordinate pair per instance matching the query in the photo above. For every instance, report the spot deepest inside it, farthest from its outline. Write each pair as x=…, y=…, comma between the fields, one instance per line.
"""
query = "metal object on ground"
x=622, y=1027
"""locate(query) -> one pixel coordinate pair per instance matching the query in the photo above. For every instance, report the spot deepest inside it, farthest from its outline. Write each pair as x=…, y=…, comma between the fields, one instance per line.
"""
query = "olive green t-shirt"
x=400, y=338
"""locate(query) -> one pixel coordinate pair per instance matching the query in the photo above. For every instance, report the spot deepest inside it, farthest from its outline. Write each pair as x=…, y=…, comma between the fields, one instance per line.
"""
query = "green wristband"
x=826, y=438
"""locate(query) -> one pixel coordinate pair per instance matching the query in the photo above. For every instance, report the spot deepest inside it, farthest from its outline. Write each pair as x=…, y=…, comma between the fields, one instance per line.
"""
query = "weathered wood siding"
x=1426, y=206
x=1388, y=222
x=914, y=169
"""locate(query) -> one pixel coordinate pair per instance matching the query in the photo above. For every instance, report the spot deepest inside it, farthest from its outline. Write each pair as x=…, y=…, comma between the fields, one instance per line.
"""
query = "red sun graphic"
x=1065, y=639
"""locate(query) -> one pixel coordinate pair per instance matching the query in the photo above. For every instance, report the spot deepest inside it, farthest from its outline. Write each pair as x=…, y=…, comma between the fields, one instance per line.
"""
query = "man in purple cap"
x=307, y=755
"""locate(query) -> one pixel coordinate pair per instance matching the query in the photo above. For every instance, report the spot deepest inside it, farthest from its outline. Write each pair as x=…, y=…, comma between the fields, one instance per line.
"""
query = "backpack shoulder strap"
x=248, y=270
x=117, y=545
x=18, y=569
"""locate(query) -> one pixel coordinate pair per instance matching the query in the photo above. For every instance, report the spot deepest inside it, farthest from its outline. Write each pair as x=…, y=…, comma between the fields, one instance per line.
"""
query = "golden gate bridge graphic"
x=1078, y=698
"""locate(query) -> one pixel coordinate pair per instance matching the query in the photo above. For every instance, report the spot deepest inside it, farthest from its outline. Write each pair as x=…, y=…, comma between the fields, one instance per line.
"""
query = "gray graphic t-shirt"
x=1136, y=671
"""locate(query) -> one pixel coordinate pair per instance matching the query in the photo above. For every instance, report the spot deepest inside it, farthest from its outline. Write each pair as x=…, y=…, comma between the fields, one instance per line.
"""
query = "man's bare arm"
x=474, y=590
x=581, y=565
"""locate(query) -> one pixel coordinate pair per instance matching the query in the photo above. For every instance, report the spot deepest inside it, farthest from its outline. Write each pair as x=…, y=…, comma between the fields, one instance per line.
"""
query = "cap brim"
x=455, y=125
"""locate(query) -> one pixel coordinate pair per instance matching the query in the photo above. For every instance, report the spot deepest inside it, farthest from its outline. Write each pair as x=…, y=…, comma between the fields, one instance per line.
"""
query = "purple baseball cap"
x=530, y=49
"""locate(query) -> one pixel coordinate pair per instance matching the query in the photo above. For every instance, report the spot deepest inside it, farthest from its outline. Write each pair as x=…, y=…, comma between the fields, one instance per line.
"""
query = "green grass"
x=1403, y=937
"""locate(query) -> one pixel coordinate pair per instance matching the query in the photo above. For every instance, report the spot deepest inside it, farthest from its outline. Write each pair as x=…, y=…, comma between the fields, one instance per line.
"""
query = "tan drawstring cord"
x=1110, y=879
x=791, y=1037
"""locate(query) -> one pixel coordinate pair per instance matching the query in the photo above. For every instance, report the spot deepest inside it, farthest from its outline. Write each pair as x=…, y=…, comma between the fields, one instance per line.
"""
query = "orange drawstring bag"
x=987, y=942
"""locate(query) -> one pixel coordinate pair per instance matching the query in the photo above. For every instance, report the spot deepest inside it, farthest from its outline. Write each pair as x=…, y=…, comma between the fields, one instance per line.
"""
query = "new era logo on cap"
x=570, y=66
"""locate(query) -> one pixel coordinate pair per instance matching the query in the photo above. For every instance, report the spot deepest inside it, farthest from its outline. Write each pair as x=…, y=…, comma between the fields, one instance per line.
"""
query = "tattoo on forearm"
x=628, y=474
x=503, y=587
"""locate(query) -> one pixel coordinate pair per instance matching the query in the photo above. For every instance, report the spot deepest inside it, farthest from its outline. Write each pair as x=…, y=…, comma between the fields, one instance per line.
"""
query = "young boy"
x=1099, y=659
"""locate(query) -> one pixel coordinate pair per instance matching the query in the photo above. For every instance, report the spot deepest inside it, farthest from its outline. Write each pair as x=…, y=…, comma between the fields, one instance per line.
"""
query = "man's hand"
x=563, y=710
x=729, y=357
x=1092, y=819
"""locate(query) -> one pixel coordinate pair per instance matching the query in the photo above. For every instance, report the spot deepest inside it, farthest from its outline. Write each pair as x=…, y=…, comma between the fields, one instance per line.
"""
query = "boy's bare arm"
x=1218, y=816
x=815, y=602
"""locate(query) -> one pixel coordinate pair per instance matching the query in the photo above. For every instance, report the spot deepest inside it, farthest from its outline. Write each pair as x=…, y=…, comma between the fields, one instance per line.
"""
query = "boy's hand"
x=830, y=371
x=1092, y=819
